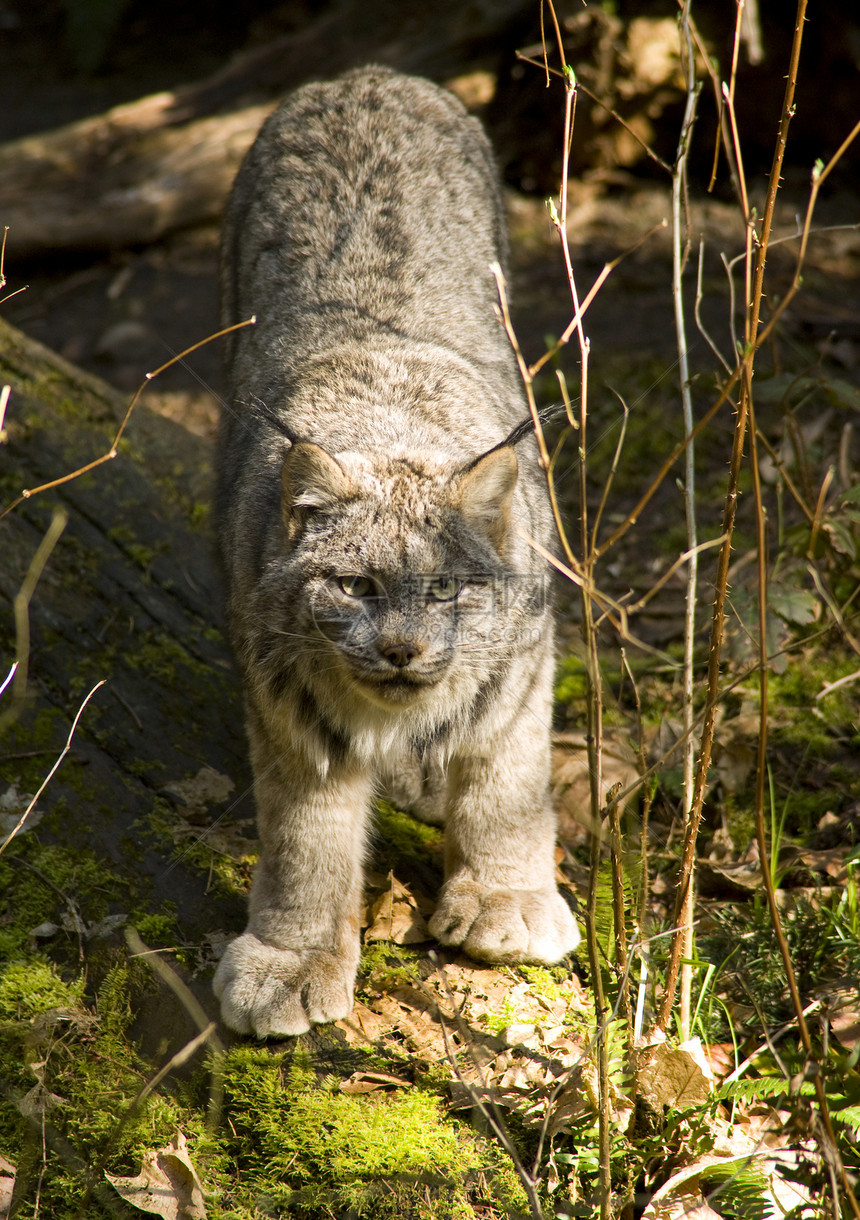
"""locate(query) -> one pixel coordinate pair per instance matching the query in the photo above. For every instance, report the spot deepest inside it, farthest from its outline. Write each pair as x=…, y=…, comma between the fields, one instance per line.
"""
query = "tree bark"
x=129, y=595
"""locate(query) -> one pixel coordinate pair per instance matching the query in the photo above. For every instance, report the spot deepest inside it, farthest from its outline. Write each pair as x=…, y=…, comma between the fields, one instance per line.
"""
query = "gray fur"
x=360, y=232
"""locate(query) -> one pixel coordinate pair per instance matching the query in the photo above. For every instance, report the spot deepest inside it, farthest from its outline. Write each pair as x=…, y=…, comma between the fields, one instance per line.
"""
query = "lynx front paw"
x=504, y=925
x=280, y=992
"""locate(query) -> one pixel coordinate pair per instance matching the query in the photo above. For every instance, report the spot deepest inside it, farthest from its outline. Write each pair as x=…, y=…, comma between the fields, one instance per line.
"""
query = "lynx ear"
x=311, y=478
x=485, y=491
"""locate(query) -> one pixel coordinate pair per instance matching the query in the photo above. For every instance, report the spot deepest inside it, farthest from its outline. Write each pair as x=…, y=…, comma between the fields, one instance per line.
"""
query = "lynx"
x=385, y=606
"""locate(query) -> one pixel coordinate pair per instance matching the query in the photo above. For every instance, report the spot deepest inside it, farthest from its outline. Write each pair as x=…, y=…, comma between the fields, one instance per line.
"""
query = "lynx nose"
x=401, y=653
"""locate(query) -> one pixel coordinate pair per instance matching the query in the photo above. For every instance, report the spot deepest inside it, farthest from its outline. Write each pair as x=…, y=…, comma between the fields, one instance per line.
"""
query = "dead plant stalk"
x=743, y=374
x=680, y=253
x=594, y=729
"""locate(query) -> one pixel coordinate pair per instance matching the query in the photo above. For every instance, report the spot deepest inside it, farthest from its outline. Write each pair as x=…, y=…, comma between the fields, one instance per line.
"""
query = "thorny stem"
x=729, y=511
x=594, y=714
x=679, y=185
x=22, y=611
x=594, y=732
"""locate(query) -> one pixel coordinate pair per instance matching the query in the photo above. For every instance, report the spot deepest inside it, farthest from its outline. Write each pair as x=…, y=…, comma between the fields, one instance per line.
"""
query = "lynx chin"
x=390, y=621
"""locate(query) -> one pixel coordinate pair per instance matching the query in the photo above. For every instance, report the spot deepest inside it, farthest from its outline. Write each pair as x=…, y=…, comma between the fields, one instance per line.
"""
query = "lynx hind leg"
x=275, y=992
x=419, y=788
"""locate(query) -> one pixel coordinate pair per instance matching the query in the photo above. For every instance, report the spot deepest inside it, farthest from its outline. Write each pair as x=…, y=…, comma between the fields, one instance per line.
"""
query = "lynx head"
x=394, y=573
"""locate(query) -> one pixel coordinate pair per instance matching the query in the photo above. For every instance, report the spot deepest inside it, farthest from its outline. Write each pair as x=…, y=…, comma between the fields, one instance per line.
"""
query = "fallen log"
x=149, y=167
x=129, y=596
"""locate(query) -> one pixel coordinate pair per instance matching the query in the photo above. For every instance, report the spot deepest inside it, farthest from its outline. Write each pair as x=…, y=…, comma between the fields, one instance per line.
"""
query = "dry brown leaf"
x=737, y=879
x=682, y=1195
x=38, y=1100
x=845, y=1021
x=395, y=916
x=720, y=1057
x=670, y=1076
x=363, y=1025
x=167, y=1184
x=831, y=862
x=371, y=1082
x=207, y=787
x=733, y=762
x=7, y=1185
x=450, y=1014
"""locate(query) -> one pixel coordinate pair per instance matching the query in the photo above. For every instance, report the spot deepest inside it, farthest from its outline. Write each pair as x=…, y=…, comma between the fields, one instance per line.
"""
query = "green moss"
x=161, y=655
x=506, y=1014
x=39, y=882
x=571, y=681
x=32, y=987
x=142, y=767
x=545, y=980
x=384, y=966
x=200, y=516
x=800, y=686
x=332, y=1151
x=405, y=836
x=157, y=928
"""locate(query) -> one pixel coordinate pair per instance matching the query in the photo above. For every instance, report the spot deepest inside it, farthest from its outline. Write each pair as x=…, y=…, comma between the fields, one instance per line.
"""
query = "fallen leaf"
x=167, y=1185
x=693, y=1047
x=370, y=1082
x=395, y=917
x=732, y=880
x=208, y=786
x=720, y=1057
x=682, y=1195
x=39, y=1099
x=845, y=1021
x=12, y=805
x=7, y=1185
x=571, y=783
x=830, y=863
x=669, y=1076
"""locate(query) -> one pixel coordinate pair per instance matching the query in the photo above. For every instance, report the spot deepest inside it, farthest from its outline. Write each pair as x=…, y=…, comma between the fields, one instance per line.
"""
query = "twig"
x=485, y=1103
x=643, y=144
x=757, y=336
x=192, y=1006
x=831, y=686
x=703, y=331
x=112, y=451
x=53, y=770
x=9, y=677
x=22, y=612
x=70, y=905
x=175, y=1061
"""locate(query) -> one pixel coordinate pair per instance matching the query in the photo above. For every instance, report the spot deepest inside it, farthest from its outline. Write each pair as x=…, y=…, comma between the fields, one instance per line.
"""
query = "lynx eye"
x=356, y=586
x=445, y=588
